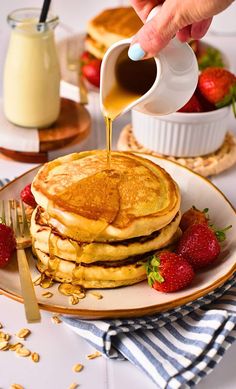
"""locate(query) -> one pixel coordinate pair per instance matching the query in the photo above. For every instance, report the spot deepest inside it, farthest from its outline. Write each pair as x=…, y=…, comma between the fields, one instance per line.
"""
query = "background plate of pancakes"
x=104, y=29
x=138, y=299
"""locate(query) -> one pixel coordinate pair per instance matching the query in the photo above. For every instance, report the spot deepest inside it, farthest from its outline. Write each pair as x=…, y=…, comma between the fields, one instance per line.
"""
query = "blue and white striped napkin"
x=4, y=181
x=176, y=348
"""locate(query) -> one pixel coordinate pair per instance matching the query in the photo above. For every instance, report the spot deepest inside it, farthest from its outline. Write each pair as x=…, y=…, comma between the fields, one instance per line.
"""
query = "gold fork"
x=23, y=240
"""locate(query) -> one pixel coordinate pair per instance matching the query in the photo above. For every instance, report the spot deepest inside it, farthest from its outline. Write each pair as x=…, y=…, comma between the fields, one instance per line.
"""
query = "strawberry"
x=91, y=71
x=218, y=86
x=85, y=58
x=193, y=216
x=193, y=105
x=168, y=272
x=27, y=196
x=199, y=245
x=7, y=244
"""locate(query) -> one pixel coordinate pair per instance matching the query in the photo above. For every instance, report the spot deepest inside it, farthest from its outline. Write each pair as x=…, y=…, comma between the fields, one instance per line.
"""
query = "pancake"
x=87, y=202
x=45, y=238
x=93, y=276
x=110, y=26
x=95, y=48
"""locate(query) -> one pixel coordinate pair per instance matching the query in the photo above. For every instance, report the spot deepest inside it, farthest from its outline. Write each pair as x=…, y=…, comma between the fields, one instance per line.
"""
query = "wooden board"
x=72, y=126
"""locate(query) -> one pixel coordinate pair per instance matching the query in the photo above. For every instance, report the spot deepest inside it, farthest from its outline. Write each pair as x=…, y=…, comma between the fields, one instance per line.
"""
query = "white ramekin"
x=181, y=134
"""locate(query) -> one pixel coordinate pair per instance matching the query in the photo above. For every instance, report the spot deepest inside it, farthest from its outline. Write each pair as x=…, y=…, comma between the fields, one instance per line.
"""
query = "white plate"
x=140, y=299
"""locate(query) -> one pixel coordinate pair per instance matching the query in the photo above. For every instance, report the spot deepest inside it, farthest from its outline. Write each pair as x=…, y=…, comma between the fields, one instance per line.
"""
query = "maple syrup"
x=132, y=80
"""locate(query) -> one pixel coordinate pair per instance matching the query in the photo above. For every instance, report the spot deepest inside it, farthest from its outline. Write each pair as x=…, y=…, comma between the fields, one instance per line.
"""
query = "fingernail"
x=136, y=52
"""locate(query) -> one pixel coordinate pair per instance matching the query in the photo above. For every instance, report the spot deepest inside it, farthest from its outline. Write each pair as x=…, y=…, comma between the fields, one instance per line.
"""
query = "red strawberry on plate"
x=27, y=196
x=193, y=105
x=193, y=216
x=218, y=86
x=91, y=71
x=199, y=245
x=168, y=272
x=7, y=244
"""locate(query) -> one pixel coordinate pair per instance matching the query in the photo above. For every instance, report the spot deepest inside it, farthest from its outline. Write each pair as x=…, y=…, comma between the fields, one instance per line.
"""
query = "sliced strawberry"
x=28, y=197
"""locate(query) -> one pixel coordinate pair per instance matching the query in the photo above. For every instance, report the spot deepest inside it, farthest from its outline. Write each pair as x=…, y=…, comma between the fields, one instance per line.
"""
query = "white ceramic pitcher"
x=175, y=82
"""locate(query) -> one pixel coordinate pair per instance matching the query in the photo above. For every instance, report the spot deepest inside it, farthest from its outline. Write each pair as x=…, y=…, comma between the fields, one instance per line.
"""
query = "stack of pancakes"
x=110, y=26
x=95, y=226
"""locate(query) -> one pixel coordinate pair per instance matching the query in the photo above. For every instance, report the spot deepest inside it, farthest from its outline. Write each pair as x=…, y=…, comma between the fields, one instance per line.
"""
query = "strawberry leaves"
x=152, y=270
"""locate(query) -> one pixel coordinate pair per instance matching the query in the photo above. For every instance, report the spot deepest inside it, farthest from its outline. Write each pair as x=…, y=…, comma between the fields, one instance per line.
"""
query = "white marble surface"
x=58, y=347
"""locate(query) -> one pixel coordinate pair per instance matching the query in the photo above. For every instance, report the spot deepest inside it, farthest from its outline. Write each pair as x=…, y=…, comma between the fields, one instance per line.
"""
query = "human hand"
x=184, y=18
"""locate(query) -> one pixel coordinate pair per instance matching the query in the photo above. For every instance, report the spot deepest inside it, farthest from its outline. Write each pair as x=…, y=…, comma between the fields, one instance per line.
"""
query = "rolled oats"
x=37, y=280
x=94, y=355
x=23, y=333
x=4, y=345
x=46, y=282
x=98, y=295
x=73, y=300
x=78, y=367
x=47, y=295
x=23, y=352
x=56, y=319
x=74, y=385
x=4, y=336
x=35, y=357
x=16, y=346
x=16, y=386
x=71, y=290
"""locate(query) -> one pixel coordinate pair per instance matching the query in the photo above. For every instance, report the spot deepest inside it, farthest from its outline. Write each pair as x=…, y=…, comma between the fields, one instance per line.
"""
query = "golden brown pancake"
x=93, y=276
x=45, y=239
x=112, y=25
x=88, y=202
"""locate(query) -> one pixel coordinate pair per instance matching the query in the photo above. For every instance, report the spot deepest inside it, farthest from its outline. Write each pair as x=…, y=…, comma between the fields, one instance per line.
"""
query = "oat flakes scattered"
x=4, y=345
x=73, y=300
x=37, y=280
x=78, y=367
x=35, y=357
x=56, y=319
x=71, y=290
x=48, y=295
x=46, y=283
x=98, y=295
x=15, y=346
x=23, y=352
x=16, y=386
x=23, y=333
x=94, y=355
x=74, y=385
x=4, y=336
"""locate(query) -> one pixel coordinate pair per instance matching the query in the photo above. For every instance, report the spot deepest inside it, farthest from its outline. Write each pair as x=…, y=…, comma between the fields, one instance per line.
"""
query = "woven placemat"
x=207, y=165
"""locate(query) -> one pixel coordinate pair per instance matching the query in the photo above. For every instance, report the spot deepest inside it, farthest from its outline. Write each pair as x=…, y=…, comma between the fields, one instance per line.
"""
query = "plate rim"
x=131, y=312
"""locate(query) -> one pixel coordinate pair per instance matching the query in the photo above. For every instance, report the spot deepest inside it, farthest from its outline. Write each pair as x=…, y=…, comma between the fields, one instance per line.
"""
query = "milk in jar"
x=31, y=79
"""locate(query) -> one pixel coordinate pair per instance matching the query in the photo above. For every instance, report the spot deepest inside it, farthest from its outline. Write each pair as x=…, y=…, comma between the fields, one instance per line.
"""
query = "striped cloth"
x=176, y=348
x=4, y=181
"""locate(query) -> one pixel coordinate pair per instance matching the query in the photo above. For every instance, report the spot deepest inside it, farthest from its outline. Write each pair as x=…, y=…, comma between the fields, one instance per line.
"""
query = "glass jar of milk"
x=31, y=79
